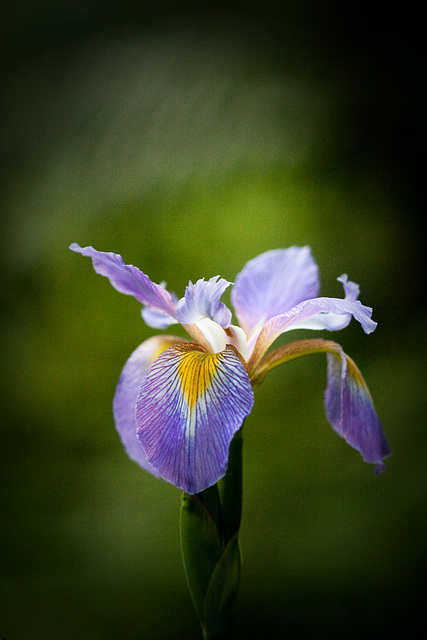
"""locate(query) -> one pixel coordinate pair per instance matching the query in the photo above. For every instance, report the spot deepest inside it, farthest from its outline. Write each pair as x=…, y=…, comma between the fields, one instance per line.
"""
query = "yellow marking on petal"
x=355, y=373
x=165, y=343
x=159, y=351
x=196, y=371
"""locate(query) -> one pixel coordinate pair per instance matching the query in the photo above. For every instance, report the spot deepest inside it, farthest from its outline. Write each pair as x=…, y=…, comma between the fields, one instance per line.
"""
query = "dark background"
x=190, y=137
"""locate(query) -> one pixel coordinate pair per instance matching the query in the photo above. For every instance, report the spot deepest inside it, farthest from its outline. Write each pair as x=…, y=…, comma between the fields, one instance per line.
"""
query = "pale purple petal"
x=351, y=289
x=129, y=279
x=350, y=410
x=326, y=313
x=131, y=378
x=320, y=313
x=189, y=407
x=336, y=317
x=157, y=319
x=202, y=300
x=272, y=283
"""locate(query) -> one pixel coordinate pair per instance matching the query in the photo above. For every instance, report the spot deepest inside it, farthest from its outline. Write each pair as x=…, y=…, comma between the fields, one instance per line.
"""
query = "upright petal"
x=202, y=300
x=124, y=404
x=189, y=407
x=350, y=410
x=351, y=289
x=129, y=280
x=272, y=283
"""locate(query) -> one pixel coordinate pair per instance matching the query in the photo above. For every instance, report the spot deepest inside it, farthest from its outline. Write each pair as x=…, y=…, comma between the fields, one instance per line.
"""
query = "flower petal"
x=189, y=407
x=272, y=283
x=321, y=313
x=351, y=289
x=156, y=319
x=350, y=410
x=337, y=321
x=131, y=378
x=202, y=300
x=348, y=403
x=129, y=280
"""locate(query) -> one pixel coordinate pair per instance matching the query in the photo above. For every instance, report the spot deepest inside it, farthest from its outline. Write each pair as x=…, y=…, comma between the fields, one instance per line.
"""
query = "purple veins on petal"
x=124, y=403
x=189, y=407
x=350, y=410
x=202, y=300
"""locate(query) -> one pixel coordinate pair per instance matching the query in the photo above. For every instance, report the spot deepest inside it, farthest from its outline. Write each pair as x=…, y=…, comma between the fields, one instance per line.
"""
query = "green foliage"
x=210, y=523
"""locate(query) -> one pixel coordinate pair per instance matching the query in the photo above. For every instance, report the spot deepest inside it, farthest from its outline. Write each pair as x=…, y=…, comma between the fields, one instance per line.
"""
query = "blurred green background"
x=190, y=137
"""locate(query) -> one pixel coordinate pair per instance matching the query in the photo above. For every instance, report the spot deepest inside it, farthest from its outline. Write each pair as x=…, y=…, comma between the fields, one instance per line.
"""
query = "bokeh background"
x=190, y=137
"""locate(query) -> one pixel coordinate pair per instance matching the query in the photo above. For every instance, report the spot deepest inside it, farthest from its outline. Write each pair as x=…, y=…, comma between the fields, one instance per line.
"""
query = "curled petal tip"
x=129, y=280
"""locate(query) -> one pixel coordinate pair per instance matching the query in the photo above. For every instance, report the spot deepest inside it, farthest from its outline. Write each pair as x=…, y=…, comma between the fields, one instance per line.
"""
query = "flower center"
x=218, y=338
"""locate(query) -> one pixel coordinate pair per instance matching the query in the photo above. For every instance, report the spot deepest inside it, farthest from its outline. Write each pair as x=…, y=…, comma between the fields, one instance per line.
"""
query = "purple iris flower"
x=179, y=402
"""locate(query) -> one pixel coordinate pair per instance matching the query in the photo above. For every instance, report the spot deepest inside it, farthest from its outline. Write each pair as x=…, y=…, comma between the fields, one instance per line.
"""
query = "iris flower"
x=179, y=402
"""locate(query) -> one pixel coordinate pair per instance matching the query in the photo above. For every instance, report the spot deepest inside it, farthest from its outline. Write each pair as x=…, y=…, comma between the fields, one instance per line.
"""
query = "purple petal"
x=351, y=289
x=202, y=300
x=350, y=410
x=325, y=313
x=321, y=313
x=129, y=280
x=272, y=283
x=156, y=319
x=131, y=378
x=189, y=407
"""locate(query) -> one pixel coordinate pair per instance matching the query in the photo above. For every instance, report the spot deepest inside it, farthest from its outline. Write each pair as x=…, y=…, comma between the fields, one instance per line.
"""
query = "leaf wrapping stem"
x=209, y=528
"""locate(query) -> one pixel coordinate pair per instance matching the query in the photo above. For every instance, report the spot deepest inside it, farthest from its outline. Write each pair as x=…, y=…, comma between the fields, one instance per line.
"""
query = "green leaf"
x=210, y=522
x=200, y=544
x=222, y=592
x=210, y=499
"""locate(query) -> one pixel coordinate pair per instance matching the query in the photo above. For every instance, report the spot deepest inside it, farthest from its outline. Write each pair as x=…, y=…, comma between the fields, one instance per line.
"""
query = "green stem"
x=210, y=522
x=230, y=490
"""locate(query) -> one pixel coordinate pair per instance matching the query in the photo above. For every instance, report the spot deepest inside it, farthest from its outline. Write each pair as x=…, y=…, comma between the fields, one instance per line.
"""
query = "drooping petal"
x=129, y=280
x=272, y=283
x=348, y=403
x=202, y=300
x=124, y=403
x=321, y=313
x=190, y=405
x=351, y=412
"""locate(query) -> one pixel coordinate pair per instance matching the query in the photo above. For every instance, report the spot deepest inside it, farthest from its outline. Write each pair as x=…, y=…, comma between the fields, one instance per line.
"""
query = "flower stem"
x=230, y=489
x=210, y=523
